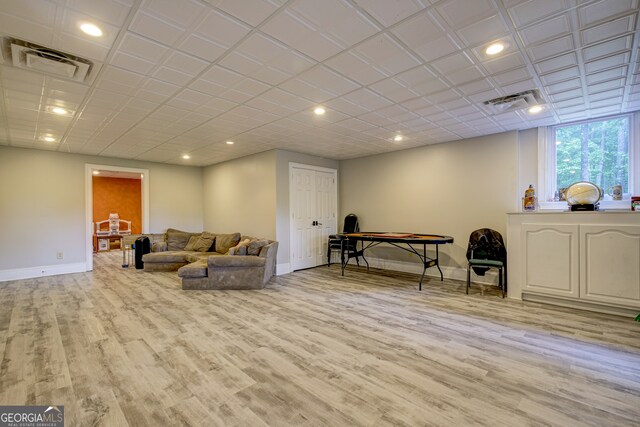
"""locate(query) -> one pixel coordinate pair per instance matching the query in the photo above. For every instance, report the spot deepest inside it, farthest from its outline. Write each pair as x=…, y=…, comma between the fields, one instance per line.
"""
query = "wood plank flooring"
x=123, y=347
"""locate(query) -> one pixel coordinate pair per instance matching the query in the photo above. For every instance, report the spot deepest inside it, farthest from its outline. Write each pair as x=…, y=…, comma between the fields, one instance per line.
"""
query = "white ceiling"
x=184, y=76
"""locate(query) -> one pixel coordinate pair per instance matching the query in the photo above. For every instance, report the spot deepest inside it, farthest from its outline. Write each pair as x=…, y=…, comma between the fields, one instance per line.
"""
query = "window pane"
x=596, y=151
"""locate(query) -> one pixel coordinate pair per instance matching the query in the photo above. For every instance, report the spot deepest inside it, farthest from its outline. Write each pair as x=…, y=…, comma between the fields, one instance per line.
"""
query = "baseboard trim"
x=581, y=305
x=283, y=268
x=42, y=271
x=453, y=273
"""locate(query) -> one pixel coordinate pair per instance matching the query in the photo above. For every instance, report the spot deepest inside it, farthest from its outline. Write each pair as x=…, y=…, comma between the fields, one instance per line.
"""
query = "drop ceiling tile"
x=464, y=76
x=170, y=75
x=355, y=66
x=557, y=63
x=483, y=31
x=294, y=31
x=459, y=13
x=607, y=85
x=607, y=48
x=564, y=86
x=558, y=76
x=221, y=29
x=113, y=12
x=545, y=30
x=40, y=12
x=608, y=62
x=138, y=46
x=533, y=10
x=337, y=19
x=200, y=46
x=324, y=77
x=306, y=90
x=613, y=73
x=132, y=63
x=182, y=14
x=551, y=48
x=418, y=30
x=240, y=63
x=186, y=64
x=155, y=29
x=608, y=29
x=452, y=63
x=79, y=47
x=393, y=90
x=511, y=76
x=253, y=12
x=367, y=99
x=504, y=63
x=443, y=96
x=387, y=54
x=474, y=87
x=604, y=9
x=561, y=96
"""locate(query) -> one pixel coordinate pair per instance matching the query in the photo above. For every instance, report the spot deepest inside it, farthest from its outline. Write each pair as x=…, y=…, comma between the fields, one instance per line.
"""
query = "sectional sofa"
x=213, y=260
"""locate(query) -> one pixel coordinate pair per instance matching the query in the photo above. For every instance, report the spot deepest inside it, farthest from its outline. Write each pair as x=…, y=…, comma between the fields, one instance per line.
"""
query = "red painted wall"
x=121, y=195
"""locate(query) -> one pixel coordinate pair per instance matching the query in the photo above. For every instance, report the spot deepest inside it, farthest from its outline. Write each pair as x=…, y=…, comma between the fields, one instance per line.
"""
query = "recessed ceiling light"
x=319, y=111
x=494, y=49
x=186, y=157
x=398, y=138
x=96, y=172
x=230, y=142
x=49, y=138
x=59, y=110
x=91, y=29
x=535, y=109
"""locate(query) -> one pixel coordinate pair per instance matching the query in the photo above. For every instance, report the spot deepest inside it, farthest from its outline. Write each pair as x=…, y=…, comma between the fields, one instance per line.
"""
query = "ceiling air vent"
x=517, y=101
x=33, y=57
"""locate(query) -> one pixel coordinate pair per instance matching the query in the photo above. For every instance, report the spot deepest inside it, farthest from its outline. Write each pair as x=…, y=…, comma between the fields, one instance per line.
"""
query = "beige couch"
x=210, y=260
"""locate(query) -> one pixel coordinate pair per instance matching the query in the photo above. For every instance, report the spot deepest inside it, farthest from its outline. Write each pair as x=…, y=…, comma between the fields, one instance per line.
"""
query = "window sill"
x=605, y=205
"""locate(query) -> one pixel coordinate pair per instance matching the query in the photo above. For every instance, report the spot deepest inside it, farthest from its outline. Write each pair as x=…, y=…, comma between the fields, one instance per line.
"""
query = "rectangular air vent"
x=30, y=56
x=517, y=101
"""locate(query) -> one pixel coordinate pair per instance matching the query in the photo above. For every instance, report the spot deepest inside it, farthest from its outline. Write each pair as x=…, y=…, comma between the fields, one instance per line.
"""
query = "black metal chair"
x=337, y=243
x=487, y=250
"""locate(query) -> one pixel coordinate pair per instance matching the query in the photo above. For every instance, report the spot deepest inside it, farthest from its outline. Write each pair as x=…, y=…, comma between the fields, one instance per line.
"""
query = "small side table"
x=103, y=243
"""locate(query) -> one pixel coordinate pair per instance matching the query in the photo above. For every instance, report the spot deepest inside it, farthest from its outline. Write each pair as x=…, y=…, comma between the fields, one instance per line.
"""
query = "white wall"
x=240, y=196
x=42, y=209
x=283, y=215
x=451, y=189
x=527, y=160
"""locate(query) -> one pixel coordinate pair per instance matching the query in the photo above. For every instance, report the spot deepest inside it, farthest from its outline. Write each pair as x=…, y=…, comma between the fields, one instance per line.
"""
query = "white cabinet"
x=551, y=259
x=588, y=260
x=610, y=264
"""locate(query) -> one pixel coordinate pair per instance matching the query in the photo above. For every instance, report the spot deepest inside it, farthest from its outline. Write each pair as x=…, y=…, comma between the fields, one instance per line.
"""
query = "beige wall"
x=42, y=208
x=452, y=189
x=240, y=196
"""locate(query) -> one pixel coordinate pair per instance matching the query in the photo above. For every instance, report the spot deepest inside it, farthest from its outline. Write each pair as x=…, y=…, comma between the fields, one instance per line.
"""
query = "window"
x=595, y=151
x=603, y=151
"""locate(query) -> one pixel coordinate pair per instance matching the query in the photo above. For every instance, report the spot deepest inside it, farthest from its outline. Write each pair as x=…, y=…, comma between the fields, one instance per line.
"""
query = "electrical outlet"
x=60, y=255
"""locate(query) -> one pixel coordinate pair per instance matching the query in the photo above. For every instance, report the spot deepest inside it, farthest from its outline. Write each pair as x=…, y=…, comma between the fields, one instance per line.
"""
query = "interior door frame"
x=88, y=201
x=293, y=166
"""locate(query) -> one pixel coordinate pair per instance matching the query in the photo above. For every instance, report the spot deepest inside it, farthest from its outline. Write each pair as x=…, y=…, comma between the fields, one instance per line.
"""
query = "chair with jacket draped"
x=339, y=243
x=487, y=250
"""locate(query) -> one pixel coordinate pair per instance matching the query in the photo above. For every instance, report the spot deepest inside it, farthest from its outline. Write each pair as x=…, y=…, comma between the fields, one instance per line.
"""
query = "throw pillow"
x=203, y=244
x=240, y=248
x=177, y=240
x=224, y=242
x=191, y=244
x=255, y=246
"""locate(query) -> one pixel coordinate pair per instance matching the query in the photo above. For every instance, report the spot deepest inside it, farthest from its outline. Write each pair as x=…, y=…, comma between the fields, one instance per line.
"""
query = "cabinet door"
x=551, y=259
x=610, y=264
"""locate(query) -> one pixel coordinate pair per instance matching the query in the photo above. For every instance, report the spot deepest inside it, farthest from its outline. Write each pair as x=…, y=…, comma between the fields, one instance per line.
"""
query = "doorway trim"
x=293, y=165
x=88, y=216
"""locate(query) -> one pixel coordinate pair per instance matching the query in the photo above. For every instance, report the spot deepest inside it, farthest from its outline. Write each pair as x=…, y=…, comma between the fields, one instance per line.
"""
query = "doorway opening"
x=121, y=201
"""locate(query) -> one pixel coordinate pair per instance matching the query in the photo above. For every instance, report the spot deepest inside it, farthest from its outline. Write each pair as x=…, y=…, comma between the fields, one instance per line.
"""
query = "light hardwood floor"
x=123, y=347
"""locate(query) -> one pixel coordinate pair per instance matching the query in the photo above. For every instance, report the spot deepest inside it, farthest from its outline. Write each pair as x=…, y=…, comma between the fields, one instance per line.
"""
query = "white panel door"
x=551, y=259
x=314, y=210
x=610, y=264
